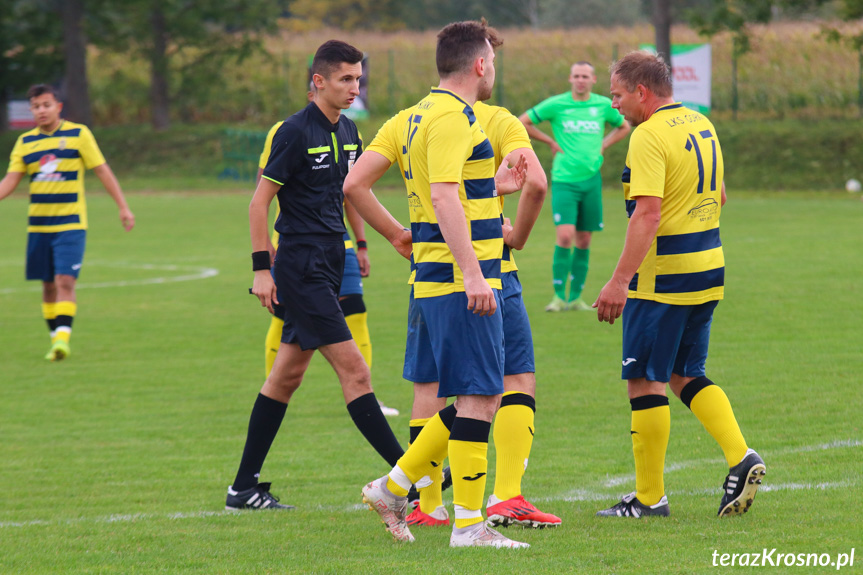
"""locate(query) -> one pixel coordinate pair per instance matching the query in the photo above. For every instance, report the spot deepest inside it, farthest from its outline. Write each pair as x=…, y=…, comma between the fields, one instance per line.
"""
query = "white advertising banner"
x=691, y=73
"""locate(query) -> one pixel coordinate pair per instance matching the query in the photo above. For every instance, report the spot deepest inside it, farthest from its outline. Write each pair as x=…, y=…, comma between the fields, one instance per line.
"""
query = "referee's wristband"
x=260, y=261
x=362, y=245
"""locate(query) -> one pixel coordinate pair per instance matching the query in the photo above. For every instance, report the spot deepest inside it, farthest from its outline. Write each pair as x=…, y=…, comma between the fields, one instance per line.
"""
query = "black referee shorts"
x=308, y=273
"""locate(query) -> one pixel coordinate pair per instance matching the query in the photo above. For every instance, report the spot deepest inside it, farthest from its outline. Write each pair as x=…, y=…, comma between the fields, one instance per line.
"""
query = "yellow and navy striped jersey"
x=56, y=163
x=262, y=163
x=675, y=155
x=439, y=140
x=506, y=134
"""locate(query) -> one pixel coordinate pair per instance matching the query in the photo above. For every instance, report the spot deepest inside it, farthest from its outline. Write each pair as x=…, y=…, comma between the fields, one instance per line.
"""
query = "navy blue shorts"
x=308, y=272
x=56, y=253
x=660, y=339
x=352, y=281
x=420, y=366
x=518, y=349
x=462, y=350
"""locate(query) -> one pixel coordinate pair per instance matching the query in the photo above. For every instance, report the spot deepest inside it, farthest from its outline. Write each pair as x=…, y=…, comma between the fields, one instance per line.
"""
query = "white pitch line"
x=672, y=467
x=196, y=273
x=575, y=495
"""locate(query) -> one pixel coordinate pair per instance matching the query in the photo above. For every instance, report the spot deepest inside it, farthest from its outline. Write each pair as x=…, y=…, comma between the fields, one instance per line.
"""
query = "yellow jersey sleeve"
x=386, y=142
x=16, y=158
x=649, y=159
x=89, y=150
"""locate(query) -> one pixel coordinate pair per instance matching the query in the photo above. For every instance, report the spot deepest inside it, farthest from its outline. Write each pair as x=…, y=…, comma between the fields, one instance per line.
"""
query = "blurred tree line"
x=187, y=43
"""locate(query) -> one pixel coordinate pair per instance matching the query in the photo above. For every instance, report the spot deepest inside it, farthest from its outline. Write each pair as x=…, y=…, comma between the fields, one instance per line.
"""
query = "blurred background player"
x=311, y=154
x=55, y=155
x=668, y=282
x=357, y=266
x=578, y=119
x=514, y=422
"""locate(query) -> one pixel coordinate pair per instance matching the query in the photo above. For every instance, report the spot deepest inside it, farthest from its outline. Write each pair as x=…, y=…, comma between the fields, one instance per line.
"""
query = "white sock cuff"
x=400, y=478
x=463, y=513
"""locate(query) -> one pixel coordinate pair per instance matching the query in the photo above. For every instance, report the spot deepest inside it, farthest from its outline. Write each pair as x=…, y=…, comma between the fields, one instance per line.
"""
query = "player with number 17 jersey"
x=685, y=264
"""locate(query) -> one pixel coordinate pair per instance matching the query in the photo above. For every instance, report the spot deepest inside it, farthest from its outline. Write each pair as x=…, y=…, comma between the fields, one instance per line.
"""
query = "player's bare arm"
x=112, y=186
x=451, y=219
x=724, y=197
x=358, y=190
x=640, y=234
x=358, y=226
x=9, y=182
x=538, y=134
x=614, y=136
x=530, y=204
x=264, y=288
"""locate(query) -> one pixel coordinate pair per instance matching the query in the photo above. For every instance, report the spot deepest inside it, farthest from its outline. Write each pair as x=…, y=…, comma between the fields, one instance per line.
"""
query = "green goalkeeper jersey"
x=578, y=128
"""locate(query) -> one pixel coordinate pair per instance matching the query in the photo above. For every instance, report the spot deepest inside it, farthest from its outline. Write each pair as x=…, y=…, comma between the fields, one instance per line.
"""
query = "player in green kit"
x=578, y=120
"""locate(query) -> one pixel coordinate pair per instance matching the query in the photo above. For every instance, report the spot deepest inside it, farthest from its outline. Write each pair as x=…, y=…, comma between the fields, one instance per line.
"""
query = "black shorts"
x=308, y=272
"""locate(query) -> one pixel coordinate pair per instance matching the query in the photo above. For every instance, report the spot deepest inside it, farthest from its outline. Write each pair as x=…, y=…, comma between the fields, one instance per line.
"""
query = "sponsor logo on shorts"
x=629, y=360
x=76, y=267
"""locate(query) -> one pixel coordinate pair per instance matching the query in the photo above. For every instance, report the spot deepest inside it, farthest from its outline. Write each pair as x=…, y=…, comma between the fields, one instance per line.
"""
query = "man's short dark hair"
x=41, y=89
x=642, y=67
x=460, y=43
x=332, y=54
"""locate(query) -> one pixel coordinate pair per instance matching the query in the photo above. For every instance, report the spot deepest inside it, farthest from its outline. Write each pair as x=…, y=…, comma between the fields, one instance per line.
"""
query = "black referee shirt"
x=310, y=158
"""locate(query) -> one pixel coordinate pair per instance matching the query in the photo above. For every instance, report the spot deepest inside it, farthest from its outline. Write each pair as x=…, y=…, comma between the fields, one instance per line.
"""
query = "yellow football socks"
x=49, y=312
x=468, y=456
x=513, y=438
x=711, y=406
x=358, y=324
x=272, y=343
x=425, y=454
x=651, y=426
x=430, y=496
x=66, y=311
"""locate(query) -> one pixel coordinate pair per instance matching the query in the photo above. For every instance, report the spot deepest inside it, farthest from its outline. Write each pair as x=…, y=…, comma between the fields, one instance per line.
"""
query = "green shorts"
x=578, y=204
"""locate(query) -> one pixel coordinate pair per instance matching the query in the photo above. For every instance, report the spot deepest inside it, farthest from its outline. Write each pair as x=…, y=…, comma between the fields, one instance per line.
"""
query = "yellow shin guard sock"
x=426, y=453
x=513, y=438
x=49, y=313
x=66, y=311
x=272, y=343
x=651, y=426
x=468, y=455
x=430, y=496
x=359, y=326
x=711, y=406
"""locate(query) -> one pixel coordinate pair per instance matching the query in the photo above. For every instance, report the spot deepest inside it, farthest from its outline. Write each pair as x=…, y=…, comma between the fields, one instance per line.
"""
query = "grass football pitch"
x=117, y=459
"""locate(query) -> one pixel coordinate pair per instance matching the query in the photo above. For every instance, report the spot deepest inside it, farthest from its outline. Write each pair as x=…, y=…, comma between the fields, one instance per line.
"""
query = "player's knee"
x=582, y=240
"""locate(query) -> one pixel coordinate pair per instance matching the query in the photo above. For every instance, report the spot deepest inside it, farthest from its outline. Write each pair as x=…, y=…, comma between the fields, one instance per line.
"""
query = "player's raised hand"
x=264, y=288
x=508, y=180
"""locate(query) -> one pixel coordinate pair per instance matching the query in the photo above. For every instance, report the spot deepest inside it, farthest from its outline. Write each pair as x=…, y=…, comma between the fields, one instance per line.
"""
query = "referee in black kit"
x=311, y=155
